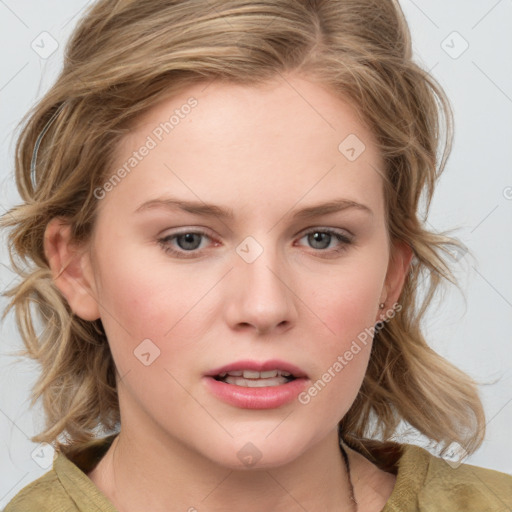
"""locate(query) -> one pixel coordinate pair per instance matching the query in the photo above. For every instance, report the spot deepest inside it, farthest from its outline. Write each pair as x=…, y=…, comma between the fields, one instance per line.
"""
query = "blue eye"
x=187, y=243
x=319, y=237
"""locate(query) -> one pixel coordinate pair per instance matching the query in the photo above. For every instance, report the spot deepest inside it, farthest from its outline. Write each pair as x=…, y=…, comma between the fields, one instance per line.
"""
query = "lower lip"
x=269, y=397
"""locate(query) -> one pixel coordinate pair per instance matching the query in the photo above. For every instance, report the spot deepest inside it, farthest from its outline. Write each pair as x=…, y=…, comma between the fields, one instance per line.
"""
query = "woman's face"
x=266, y=279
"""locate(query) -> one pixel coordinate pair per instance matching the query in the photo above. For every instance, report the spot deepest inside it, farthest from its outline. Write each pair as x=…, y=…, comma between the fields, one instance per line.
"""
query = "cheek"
x=344, y=303
x=138, y=303
x=345, y=300
x=346, y=309
x=152, y=329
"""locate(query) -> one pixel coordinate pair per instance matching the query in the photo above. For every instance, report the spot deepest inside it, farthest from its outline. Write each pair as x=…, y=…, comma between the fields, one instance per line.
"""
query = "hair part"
x=126, y=56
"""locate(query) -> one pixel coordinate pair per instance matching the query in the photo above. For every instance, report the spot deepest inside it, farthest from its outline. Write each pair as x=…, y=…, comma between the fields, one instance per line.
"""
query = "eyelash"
x=344, y=239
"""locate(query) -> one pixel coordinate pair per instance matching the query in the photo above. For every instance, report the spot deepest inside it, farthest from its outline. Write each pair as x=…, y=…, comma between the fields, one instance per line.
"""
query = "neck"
x=148, y=472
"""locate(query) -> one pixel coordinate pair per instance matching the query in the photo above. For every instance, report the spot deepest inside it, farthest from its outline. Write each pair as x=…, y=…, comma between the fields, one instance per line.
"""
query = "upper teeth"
x=251, y=374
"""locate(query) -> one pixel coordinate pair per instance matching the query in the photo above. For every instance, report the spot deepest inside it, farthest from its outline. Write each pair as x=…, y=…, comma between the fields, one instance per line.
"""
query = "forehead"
x=223, y=142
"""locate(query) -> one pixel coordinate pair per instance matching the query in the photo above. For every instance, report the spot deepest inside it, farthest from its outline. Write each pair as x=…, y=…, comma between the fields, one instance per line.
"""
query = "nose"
x=261, y=296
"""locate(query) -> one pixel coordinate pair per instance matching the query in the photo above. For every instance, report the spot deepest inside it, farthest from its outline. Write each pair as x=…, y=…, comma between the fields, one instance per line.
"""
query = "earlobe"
x=398, y=268
x=71, y=269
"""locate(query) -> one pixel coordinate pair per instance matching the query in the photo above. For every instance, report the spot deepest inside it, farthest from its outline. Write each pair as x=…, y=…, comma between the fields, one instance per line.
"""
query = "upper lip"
x=257, y=366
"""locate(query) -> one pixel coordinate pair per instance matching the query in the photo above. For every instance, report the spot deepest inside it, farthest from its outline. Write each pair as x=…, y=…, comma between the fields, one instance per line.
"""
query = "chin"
x=258, y=452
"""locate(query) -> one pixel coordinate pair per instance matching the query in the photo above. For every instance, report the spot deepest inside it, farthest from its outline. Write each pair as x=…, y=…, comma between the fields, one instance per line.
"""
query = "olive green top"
x=424, y=483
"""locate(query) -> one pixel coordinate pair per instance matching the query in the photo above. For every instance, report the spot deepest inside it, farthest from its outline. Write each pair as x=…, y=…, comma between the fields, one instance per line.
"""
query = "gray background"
x=474, y=197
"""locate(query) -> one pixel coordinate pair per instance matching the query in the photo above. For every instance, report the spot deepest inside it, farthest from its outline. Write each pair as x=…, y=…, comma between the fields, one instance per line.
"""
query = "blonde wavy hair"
x=127, y=55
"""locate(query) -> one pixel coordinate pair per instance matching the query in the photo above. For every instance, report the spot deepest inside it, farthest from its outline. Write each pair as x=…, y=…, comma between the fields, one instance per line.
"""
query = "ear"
x=71, y=269
x=398, y=267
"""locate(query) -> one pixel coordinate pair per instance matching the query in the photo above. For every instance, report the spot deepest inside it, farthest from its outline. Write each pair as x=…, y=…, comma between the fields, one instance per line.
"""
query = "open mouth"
x=249, y=384
x=254, y=379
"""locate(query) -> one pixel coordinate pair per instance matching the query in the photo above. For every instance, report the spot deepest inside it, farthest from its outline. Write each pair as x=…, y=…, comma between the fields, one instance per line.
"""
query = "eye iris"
x=189, y=239
x=319, y=236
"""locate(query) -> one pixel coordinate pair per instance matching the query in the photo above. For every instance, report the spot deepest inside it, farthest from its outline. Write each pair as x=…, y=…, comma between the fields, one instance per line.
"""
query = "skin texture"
x=264, y=152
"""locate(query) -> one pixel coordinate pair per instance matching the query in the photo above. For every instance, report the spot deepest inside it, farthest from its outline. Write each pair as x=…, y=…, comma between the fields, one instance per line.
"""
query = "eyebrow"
x=211, y=210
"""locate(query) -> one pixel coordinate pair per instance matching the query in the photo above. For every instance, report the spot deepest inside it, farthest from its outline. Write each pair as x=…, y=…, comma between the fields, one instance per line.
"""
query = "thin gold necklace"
x=350, y=484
